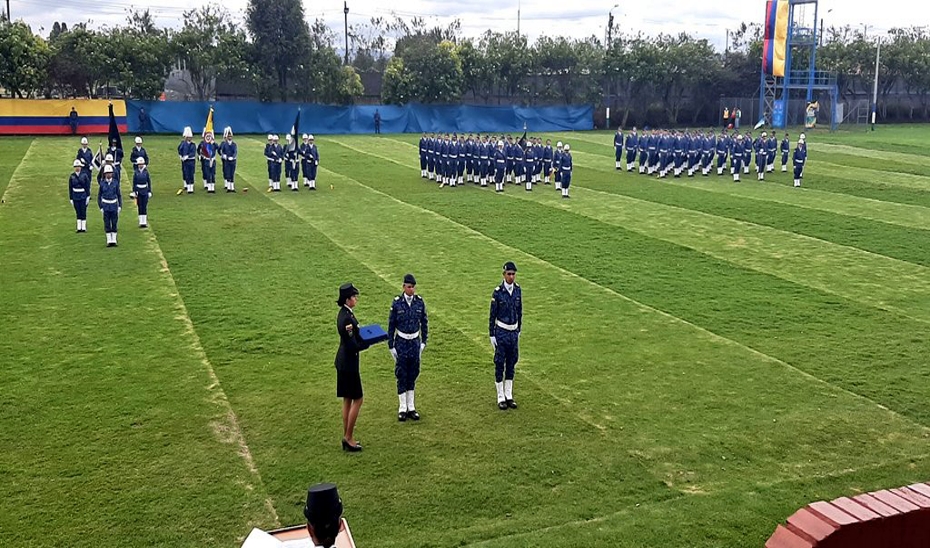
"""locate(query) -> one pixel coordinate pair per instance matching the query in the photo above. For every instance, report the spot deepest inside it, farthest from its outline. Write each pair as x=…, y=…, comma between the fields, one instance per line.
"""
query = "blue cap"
x=510, y=267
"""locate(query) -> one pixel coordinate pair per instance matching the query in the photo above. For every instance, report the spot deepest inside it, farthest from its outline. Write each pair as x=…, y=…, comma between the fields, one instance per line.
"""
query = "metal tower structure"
x=801, y=74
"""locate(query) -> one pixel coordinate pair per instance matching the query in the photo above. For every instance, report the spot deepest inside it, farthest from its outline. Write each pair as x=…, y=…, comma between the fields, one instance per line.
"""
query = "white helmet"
x=140, y=161
x=138, y=140
x=275, y=138
x=108, y=169
x=288, y=138
x=305, y=137
x=78, y=163
x=310, y=136
x=500, y=143
x=108, y=158
x=763, y=134
x=559, y=144
x=227, y=132
x=567, y=147
x=188, y=132
x=83, y=140
x=270, y=136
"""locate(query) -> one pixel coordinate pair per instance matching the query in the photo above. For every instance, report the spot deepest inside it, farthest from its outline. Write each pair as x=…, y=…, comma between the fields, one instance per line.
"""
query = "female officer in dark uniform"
x=348, y=379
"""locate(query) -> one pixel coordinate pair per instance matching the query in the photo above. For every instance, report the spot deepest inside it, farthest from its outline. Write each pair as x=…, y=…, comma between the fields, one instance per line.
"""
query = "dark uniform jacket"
x=349, y=344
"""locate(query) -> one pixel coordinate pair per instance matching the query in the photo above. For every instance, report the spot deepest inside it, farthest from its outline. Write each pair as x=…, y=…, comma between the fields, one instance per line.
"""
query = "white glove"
x=119, y=209
x=494, y=343
x=394, y=354
x=422, y=346
x=88, y=201
x=132, y=195
x=150, y=194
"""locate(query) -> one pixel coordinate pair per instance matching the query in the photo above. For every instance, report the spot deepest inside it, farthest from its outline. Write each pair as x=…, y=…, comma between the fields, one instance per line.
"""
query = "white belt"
x=78, y=190
x=408, y=336
x=507, y=326
x=142, y=186
x=110, y=201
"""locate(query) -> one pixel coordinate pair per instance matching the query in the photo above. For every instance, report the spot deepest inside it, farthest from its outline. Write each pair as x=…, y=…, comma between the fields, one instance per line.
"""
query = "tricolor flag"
x=113, y=134
x=208, y=125
x=775, y=39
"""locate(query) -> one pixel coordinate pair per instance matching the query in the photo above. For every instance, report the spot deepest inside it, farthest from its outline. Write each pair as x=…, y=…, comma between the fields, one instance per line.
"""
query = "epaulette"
x=397, y=298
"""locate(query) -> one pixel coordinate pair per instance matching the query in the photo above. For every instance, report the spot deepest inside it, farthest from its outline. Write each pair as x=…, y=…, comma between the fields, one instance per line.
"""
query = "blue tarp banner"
x=263, y=118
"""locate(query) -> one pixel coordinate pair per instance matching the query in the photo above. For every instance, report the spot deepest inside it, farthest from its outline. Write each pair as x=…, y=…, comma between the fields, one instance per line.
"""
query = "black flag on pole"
x=295, y=131
x=114, y=131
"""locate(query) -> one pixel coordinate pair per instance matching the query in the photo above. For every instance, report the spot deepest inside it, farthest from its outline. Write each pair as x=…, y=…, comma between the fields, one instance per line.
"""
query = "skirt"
x=348, y=384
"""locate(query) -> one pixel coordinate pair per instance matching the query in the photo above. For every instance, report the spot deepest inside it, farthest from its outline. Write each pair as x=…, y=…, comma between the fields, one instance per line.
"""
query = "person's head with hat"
x=78, y=166
x=140, y=163
x=410, y=285
x=510, y=272
x=348, y=295
x=324, y=513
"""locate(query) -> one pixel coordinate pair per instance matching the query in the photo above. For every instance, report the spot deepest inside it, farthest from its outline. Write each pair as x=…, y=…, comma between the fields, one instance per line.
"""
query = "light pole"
x=345, y=11
x=821, y=27
x=610, y=40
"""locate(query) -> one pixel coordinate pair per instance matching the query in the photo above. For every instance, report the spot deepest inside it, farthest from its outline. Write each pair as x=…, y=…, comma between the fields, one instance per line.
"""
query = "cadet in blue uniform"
x=291, y=166
x=484, y=161
x=423, y=153
x=772, y=149
x=207, y=153
x=500, y=164
x=557, y=165
x=142, y=191
x=747, y=153
x=566, y=167
x=110, y=201
x=529, y=166
x=736, y=157
x=707, y=153
x=518, y=163
x=79, y=194
x=643, y=153
x=187, y=152
x=430, y=158
x=504, y=326
x=785, y=150
x=508, y=149
x=547, y=161
x=117, y=154
x=229, y=153
x=762, y=157
x=723, y=150
x=462, y=161
x=630, y=146
x=618, y=148
x=86, y=157
x=313, y=162
x=470, y=154
x=408, y=329
x=800, y=158
x=138, y=152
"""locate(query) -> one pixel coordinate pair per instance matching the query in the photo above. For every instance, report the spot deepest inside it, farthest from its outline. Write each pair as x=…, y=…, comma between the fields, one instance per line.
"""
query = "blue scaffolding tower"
x=775, y=92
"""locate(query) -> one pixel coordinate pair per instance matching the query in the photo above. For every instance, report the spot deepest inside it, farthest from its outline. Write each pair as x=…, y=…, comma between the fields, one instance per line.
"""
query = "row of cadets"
x=206, y=151
x=187, y=152
x=309, y=160
x=229, y=152
x=274, y=155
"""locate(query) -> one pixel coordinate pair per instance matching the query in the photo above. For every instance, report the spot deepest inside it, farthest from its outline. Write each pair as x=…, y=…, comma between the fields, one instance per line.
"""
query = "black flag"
x=295, y=132
x=522, y=141
x=114, y=130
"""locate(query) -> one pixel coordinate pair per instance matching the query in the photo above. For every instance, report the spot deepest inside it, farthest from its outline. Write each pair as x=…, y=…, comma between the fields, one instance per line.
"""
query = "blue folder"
x=372, y=334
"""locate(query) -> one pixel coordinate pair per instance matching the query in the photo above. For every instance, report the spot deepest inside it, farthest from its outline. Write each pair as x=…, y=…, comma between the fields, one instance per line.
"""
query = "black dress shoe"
x=511, y=404
x=346, y=446
x=413, y=415
x=401, y=416
x=502, y=406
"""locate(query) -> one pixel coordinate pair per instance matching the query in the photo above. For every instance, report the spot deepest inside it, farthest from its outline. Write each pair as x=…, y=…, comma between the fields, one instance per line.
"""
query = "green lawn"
x=699, y=358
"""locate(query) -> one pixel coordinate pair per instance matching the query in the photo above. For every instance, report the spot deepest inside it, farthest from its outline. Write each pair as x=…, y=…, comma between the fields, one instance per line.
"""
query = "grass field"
x=699, y=358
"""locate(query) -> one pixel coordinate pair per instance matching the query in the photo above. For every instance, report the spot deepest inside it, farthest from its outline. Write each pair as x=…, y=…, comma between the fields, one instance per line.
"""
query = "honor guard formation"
x=661, y=152
x=453, y=160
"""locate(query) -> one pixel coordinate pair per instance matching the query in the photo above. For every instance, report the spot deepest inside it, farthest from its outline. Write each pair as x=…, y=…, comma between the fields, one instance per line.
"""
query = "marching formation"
x=453, y=160
x=661, y=152
x=293, y=158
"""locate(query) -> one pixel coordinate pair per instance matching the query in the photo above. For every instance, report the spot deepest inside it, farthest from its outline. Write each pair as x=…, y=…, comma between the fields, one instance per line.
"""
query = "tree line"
x=279, y=56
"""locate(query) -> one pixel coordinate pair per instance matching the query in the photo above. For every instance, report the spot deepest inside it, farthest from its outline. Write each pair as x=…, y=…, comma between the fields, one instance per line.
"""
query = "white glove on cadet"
x=422, y=346
x=494, y=343
x=394, y=354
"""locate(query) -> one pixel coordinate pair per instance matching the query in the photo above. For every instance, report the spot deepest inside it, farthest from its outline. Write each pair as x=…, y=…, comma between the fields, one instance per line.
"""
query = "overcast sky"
x=576, y=18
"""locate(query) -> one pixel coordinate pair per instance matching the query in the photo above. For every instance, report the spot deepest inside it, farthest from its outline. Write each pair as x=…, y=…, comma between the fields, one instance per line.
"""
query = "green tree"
x=397, y=85
x=510, y=59
x=24, y=59
x=210, y=45
x=280, y=39
x=138, y=52
x=426, y=73
x=570, y=70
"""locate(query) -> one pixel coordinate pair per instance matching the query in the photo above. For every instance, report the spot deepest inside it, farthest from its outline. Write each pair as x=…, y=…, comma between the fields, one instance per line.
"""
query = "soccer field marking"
x=872, y=153
x=228, y=431
x=387, y=278
x=639, y=304
x=882, y=176
x=689, y=228
x=14, y=176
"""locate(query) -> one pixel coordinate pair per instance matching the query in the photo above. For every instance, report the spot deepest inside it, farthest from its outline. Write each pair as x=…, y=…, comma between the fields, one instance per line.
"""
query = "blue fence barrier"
x=254, y=117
